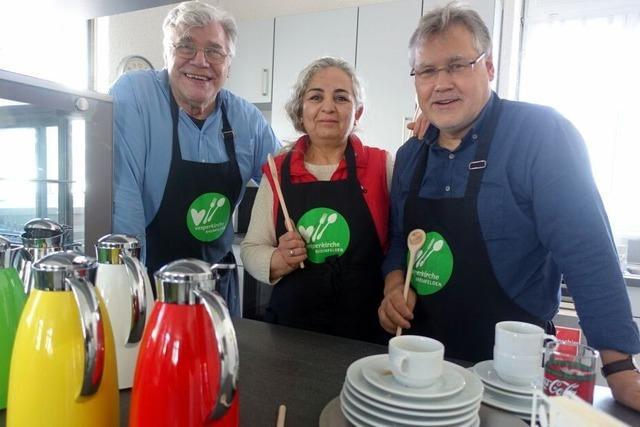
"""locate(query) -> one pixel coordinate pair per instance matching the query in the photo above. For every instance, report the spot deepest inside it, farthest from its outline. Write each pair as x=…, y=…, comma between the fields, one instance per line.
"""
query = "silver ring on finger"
x=290, y=252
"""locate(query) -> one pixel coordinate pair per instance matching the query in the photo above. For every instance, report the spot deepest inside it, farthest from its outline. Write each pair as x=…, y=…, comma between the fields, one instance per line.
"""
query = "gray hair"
x=440, y=19
x=190, y=14
x=293, y=106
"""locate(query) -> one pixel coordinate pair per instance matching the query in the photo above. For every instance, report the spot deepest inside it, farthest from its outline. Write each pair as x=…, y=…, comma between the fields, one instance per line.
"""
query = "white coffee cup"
x=415, y=361
x=516, y=369
x=520, y=338
x=517, y=354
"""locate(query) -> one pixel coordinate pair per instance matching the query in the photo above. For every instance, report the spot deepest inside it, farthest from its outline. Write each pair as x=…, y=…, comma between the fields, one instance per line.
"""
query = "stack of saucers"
x=372, y=397
x=512, y=398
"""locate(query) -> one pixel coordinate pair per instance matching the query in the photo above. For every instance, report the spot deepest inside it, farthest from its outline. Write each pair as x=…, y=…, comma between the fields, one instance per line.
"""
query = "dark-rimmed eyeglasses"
x=455, y=69
x=214, y=55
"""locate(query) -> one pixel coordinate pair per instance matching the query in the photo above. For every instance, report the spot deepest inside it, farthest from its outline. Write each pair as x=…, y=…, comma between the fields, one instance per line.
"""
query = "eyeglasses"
x=189, y=51
x=455, y=69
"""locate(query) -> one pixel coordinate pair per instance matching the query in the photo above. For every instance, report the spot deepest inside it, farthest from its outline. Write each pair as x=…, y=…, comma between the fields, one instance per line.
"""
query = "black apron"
x=341, y=295
x=168, y=236
x=463, y=313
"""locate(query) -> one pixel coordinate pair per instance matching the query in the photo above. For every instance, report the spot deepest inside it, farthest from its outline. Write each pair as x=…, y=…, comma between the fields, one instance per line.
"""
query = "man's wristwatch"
x=627, y=364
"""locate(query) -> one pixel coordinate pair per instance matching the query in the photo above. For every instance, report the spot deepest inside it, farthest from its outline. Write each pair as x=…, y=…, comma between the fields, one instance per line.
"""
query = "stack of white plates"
x=372, y=397
x=515, y=399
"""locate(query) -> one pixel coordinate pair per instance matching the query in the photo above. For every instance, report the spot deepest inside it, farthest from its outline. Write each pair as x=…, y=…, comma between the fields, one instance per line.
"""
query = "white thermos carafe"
x=124, y=285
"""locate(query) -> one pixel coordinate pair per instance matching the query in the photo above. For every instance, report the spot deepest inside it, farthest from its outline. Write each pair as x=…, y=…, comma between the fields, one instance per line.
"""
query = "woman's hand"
x=291, y=251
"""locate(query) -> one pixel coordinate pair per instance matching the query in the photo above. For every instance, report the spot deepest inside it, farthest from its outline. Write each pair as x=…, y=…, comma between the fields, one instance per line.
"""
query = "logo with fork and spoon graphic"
x=433, y=265
x=208, y=216
x=325, y=232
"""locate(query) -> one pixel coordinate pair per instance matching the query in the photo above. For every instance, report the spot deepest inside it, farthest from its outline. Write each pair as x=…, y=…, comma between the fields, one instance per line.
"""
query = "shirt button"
x=447, y=188
x=474, y=136
x=452, y=156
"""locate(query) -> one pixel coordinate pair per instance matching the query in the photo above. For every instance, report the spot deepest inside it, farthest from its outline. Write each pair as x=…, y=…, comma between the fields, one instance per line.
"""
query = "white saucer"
x=488, y=374
x=468, y=396
x=423, y=420
x=359, y=417
x=377, y=372
x=412, y=412
x=524, y=398
x=506, y=403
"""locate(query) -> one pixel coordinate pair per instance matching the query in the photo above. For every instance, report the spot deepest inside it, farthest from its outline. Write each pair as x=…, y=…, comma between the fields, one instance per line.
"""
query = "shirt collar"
x=431, y=135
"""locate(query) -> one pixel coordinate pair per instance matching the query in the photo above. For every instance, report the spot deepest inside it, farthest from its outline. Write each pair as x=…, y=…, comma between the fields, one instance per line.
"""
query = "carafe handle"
x=139, y=282
x=225, y=337
x=93, y=333
x=22, y=261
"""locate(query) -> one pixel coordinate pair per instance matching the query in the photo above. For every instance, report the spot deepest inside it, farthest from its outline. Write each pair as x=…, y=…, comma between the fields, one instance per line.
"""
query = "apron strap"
x=227, y=131
x=479, y=164
x=227, y=134
x=476, y=167
x=349, y=156
x=420, y=169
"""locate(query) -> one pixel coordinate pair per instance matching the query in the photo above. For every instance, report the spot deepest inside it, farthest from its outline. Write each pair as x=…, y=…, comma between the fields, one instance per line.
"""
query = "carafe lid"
x=42, y=228
x=43, y=233
x=109, y=248
x=120, y=241
x=51, y=270
x=187, y=270
x=176, y=281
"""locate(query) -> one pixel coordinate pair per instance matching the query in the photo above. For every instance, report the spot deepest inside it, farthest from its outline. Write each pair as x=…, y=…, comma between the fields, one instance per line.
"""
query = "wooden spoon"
x=276, y=183
x=282, y=413
x=415, y=240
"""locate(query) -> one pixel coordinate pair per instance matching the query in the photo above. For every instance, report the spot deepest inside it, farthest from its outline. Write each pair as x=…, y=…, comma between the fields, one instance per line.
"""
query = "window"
x=57, y=148
x=53, y=45
x=33, y=182
x=581, y=57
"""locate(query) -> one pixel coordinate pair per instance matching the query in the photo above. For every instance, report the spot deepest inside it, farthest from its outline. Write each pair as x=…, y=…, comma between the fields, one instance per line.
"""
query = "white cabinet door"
x=250, y=75
x=299, y=40
x=489, y=10
x=382, y=63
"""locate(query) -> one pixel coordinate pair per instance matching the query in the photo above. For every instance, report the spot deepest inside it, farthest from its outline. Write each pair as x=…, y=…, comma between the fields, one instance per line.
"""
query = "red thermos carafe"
x=187, y=369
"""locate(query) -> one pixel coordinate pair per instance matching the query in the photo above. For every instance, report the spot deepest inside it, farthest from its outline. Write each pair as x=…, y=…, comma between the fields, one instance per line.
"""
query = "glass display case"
x=56, y=151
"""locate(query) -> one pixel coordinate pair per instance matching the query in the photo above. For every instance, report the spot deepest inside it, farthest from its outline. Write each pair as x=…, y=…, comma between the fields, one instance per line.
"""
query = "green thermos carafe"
x=12, y=299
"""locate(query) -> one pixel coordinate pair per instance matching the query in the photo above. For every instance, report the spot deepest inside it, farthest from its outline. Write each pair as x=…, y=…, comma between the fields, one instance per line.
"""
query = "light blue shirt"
x=142, y=139
x=540, y=215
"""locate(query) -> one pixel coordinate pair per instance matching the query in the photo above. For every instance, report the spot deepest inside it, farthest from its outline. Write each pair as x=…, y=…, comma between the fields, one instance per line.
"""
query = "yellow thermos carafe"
x=63, y=367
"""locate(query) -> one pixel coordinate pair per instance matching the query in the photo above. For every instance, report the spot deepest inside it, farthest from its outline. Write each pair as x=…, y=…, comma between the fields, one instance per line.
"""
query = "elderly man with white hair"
x=185, y=147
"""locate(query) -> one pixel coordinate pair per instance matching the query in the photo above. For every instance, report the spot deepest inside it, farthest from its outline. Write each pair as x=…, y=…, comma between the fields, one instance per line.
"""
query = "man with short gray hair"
x=185, y=147
x=505, y=193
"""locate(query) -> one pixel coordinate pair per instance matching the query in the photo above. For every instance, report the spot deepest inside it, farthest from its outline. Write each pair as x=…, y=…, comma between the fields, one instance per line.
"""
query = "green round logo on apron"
x=208, y=216
x=325, y=232
x=433, y=265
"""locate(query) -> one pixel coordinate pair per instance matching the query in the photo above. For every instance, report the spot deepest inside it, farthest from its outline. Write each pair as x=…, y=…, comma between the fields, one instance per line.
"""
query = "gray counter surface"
x=305, y=371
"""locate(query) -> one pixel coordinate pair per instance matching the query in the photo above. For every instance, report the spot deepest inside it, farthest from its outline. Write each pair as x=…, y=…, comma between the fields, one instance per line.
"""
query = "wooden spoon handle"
x=407, y=281
x=276, y=182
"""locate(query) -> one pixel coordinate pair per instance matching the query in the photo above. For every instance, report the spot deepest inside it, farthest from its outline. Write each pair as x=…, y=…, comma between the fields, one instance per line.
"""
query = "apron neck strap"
x=227, y=132
x=477, y=166
x=349, y=156
x=479, y=163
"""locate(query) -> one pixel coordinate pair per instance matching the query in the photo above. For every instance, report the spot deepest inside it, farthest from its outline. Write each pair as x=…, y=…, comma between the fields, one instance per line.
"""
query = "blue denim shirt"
x=540, y=215
x=142, y=138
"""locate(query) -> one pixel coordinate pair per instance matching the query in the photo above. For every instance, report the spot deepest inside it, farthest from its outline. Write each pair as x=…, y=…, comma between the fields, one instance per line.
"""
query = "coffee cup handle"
x=400, y=363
